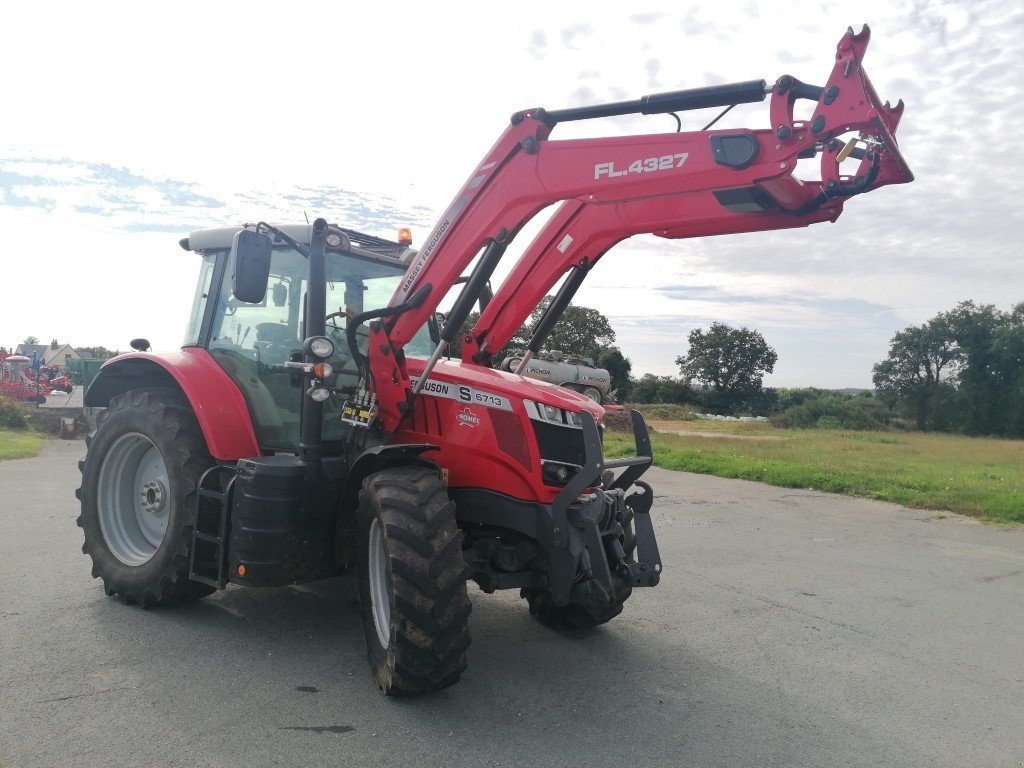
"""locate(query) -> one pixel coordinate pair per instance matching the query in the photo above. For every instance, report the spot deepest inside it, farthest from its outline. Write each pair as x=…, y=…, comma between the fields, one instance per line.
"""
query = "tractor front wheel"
x=139, y=481
x=412, y=581
x=568, y=617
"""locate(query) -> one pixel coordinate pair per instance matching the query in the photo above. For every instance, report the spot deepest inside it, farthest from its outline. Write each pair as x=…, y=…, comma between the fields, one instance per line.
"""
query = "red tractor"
x=313, y=421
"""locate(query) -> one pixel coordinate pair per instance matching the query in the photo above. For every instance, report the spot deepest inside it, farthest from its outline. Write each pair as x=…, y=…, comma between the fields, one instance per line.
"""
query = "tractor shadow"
x=632, y=688
x=314, y=632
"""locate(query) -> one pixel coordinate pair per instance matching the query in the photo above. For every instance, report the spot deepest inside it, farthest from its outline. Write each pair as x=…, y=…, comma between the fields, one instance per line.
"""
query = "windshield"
x=252, y=342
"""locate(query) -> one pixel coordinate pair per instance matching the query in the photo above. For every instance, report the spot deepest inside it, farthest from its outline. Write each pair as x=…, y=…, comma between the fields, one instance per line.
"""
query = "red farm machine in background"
x=19, y=380
x=314, y=421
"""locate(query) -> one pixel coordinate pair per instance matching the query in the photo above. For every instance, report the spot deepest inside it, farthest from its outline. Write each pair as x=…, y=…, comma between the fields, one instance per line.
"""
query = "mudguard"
x=218, y=404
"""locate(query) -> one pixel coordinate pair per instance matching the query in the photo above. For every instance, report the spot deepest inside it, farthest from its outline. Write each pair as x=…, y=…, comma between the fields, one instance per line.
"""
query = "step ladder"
x=208, y=563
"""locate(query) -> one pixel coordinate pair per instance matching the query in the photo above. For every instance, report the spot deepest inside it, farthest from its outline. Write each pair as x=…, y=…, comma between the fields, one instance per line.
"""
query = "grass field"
x=975, y=476
x=19, y=445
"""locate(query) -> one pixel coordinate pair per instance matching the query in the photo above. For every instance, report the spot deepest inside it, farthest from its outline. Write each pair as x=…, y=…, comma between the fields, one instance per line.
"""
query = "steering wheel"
x=334, y=316
x=341, y=350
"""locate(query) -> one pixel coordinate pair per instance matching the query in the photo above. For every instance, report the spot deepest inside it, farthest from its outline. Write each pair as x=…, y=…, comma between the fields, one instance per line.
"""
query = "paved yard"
x=792, y=628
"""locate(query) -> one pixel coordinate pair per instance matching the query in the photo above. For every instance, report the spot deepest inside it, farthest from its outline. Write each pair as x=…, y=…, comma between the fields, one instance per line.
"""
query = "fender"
x=218, y=404
x=382, y=456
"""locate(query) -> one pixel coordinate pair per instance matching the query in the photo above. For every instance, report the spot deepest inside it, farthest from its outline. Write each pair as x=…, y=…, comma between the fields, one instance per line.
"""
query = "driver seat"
x=274, y=333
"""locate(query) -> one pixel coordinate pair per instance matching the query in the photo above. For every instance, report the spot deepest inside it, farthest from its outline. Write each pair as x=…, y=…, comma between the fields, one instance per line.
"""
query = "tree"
x=962, y=370
x=581, y=331
x=730, y=363
x=98, y=353
x=975, y=330
x=1008, y=348
x=30, y=340
x=918, y=372
x=618, y=367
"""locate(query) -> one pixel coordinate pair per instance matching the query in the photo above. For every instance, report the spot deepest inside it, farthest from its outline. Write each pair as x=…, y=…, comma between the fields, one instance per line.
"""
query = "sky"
x=126, y=126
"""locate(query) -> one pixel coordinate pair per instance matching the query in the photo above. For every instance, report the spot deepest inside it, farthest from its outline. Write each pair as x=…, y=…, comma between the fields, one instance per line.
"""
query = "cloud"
x=647, y=18
x=653, y=66
x=571, y=34
x=19, y=201
x=538, y=45
x=174, y=228
x=136, y=203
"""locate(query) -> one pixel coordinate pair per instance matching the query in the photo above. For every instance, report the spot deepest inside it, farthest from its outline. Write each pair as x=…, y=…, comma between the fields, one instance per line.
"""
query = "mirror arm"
x=264, y=227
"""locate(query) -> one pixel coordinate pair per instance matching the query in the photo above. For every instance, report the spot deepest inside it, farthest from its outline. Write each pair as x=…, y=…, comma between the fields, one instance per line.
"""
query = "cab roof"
x=366, y=246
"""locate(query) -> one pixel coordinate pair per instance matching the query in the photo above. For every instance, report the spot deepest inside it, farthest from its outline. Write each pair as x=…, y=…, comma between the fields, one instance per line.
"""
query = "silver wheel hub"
x=133, y=499
x=152, y=497
x=380, y=598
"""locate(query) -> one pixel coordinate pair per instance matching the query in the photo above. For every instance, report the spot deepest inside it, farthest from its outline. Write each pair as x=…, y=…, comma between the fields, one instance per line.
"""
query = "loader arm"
x=526, y=171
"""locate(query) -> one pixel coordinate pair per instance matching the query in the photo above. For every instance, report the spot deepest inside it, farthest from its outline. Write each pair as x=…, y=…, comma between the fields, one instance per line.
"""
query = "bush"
x=836, y=411
x=660, y=389
x=11, y=416
x=666, y=411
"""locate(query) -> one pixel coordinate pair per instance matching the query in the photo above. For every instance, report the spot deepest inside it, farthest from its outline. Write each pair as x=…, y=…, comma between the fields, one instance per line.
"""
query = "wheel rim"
x=379, y=598
x=593, y=394
x=133, y=495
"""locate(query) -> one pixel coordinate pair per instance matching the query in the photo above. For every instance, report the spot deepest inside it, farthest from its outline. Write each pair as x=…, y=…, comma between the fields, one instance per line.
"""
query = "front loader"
x=313, y=421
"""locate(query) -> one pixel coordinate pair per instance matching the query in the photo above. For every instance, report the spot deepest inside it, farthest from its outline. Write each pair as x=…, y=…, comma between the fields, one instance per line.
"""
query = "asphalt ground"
x=791, y=628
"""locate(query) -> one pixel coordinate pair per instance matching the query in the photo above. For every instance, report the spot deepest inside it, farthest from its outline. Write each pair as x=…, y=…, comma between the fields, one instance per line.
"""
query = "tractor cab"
x=254, y=342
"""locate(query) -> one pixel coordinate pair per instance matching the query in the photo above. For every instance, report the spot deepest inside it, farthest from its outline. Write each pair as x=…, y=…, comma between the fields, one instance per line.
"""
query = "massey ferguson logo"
x=467, y=418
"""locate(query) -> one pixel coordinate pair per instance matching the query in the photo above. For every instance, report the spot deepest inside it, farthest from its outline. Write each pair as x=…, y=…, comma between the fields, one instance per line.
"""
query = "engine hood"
x=508, y=384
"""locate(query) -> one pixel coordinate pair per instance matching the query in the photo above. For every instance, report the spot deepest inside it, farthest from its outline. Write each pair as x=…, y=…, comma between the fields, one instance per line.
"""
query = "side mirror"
x=141, y=345
x=251, y=258
x=434, y=325
x=279, y=294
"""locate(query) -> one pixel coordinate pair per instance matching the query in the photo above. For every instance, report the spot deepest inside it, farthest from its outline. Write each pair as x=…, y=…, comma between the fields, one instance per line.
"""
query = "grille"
x=556, y=443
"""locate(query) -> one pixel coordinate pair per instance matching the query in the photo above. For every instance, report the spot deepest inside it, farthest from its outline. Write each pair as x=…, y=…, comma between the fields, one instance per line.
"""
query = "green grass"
x=19, y=445
x=974, y=476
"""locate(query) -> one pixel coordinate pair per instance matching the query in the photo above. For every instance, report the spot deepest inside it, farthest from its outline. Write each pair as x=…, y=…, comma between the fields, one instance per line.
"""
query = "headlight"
x=557, y=472
x=319, y=394
x=320, y=346
x=552, y=414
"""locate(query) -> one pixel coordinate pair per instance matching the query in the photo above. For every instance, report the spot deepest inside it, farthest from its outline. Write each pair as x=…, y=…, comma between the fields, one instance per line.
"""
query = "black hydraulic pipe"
x=477, y=282
x=671, y=101
x=315, y=325
x=417, y=298
x=555, y=309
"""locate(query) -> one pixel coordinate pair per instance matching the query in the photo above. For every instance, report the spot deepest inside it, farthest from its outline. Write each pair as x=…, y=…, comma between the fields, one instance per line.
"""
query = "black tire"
x=565, y=618
x=429, y=608
x=166, y=420
x=572, y=617
x=593, y=393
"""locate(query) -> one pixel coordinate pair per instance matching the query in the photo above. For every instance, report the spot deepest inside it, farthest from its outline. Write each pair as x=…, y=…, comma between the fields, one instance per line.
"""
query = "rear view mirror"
x=251, y=256
x=279, y=293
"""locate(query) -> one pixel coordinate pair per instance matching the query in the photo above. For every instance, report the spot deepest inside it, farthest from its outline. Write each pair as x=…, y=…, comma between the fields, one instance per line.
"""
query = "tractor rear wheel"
x=139, y=480
x=412, y=581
